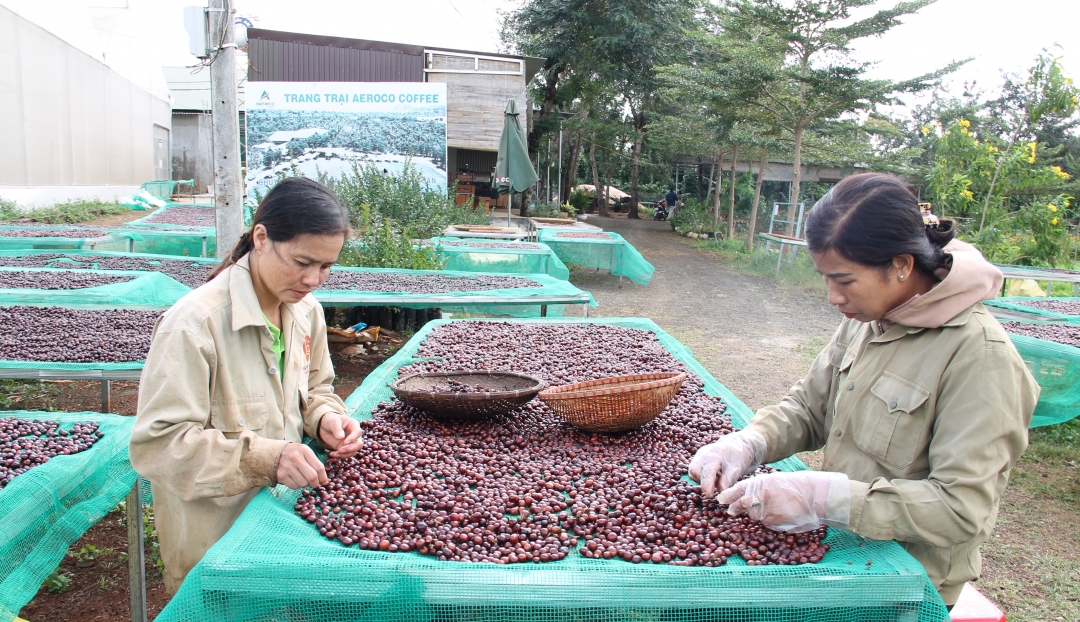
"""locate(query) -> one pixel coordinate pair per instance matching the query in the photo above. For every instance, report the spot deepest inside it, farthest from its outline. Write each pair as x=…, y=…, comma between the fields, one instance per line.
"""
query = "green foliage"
x=693, y=217
x=61, y=213
x=383, y=245
x=57, y=582
x=90, y=553
x=403, y=197
x=579, y=199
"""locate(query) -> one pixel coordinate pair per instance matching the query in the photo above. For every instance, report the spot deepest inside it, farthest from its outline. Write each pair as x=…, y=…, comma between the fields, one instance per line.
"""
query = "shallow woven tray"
x=511, y=390
x=557, y=221
x=614, y=404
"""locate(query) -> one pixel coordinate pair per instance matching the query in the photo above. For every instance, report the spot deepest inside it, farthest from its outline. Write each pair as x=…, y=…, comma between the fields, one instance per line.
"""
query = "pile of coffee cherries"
x=527, y=487
x=190, y=273
x=479, y=244
x=1058, y=333
x=453, y=386
x=190, y=215
x=56, y=334
x=1067, y=307
x=53, y=233
x=584, y=235
x=385, y=282
x=25, y=444
x=69, y=279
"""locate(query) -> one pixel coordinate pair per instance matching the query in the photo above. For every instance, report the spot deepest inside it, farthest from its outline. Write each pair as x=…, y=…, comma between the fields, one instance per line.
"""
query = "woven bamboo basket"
x=428, y=392
x=614, y=404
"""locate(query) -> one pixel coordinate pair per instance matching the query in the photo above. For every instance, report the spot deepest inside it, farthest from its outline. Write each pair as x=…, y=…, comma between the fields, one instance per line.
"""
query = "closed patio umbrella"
x=513, y=169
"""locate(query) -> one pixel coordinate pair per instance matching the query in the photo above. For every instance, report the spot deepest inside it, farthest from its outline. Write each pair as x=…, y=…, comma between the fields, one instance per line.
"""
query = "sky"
x=998, y=34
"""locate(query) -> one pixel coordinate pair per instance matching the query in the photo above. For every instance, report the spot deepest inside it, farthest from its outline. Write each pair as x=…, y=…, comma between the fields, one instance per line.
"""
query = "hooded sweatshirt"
x=967, y=279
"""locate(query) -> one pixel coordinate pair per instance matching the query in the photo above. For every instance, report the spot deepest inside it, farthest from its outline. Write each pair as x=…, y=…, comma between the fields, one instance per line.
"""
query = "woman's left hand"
x=341, y=434
x=795, y=502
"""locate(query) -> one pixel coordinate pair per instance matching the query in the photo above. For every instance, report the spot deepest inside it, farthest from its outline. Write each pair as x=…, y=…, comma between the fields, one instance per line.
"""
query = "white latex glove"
x=794, y=502
x=717, y=466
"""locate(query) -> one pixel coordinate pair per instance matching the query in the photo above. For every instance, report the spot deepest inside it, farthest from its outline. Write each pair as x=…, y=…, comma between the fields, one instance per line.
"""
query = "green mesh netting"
x=530, y=258
x=146, y=290
x=272, y=565
x=45, y=510
x=196, y=242
x=1056, y=368
x=112, y=242
x=147, y=221
x=1013, y=303
x=491, y=301
x=618, y=255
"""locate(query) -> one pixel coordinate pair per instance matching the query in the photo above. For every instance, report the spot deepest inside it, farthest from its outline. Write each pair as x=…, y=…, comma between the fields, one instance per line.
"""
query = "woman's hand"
x=717, y=466
x=299, y=468
x=341, y=434
x=795, y=502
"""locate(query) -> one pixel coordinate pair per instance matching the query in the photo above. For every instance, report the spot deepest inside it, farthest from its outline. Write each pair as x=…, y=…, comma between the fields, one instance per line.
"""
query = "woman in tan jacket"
x=920, y=401
x=238, y=373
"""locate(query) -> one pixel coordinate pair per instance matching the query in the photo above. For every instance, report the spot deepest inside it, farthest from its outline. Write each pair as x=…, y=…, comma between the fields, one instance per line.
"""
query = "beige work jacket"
x=927, y=424
x=215, y=411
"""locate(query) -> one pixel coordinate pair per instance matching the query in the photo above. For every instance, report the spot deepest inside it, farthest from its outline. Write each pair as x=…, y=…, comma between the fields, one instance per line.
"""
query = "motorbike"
x=661, y=210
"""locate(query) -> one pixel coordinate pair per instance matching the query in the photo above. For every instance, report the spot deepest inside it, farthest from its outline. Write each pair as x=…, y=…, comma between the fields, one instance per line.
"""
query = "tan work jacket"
x=215, y=411
x=927, y=423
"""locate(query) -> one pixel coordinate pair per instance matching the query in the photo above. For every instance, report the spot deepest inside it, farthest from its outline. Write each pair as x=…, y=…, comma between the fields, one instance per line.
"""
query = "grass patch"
x=27, y=394
x=61, y=213
x=800, y=274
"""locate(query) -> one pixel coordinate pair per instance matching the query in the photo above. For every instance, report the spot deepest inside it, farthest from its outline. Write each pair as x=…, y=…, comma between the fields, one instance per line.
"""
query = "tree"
x=792, y=60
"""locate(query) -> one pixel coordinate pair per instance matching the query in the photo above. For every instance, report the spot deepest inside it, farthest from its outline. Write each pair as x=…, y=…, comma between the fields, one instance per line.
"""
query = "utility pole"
x=228, y=185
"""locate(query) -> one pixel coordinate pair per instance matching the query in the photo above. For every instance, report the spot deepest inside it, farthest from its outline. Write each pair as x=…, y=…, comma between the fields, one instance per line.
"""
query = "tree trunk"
x=716, y=196
x=526, y=198
x=607, y=170
x=711, y=184
x=700, y=190
x=570, y=174
x=635, y=163
x=796, y=181
x=731, y=196
x=595, y=175
x=757, y=198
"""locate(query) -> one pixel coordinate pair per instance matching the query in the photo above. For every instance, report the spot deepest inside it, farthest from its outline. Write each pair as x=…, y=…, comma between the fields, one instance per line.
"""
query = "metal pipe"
x=136, y=563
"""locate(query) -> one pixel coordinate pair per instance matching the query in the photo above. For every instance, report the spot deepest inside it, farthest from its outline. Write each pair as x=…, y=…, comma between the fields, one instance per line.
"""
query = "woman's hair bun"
x=942, y=233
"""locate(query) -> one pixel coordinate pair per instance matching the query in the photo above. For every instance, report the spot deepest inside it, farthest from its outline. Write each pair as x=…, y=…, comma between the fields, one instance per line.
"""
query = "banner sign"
x=327, y=128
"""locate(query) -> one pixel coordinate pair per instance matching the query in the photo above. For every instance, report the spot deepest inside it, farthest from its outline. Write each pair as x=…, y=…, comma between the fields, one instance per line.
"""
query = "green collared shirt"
x=279, y=342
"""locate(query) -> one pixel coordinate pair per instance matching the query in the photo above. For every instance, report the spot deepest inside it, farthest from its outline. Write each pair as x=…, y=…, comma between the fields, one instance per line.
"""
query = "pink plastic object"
x=972, y=606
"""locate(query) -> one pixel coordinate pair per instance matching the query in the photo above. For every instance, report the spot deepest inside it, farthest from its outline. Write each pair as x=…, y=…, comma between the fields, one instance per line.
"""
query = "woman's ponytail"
x=242, y=247
x=295, y=206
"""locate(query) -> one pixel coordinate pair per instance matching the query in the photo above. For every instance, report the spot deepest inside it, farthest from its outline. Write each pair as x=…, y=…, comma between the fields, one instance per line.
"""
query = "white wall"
x=68, y=123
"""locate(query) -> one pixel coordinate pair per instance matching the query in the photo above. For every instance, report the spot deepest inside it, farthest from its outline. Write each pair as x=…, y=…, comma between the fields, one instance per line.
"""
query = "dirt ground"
x=757, y=338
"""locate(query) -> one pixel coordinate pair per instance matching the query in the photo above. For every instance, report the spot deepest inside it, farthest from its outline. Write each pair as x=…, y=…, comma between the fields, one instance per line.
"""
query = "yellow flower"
x=965, y=123
x=925, y=130
x=1031, y=152
x=1060, y=173
x=1053, y=221
x=966, y=194
x=964, y=131
x=991, y=149
x=1068, y=80
x=1053, y=208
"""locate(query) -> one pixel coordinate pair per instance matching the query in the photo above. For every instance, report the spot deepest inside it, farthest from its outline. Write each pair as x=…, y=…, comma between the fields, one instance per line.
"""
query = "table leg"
x=1076, y=290
x=1049, y=284
x=543, y=310
x=585, y=312
x=204, y=246
x=106, y=397
x=779, y=259
x=131, y=245
x=136, y=563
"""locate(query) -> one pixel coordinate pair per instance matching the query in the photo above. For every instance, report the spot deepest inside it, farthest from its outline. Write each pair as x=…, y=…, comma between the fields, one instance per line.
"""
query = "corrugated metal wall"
x=68, y=120
x=293, y=61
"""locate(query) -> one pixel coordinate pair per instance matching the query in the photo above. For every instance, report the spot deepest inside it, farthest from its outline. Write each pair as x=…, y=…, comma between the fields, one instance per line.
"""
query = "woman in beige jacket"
x=920, y=401
x=238, y=373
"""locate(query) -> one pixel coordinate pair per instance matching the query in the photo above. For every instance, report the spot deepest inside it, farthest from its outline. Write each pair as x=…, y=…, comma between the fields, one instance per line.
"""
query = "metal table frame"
x=782, y=241
x=480, y=250
x=133, y=506
x=359, y=300
x=1013, y=272
x=615, y=250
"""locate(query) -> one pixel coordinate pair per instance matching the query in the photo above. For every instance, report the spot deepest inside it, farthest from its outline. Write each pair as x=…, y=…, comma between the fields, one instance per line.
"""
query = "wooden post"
x=136, y=563
x=228, y=187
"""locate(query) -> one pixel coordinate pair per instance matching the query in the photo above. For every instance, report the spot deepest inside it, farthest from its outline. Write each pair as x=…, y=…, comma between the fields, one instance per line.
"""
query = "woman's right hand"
x=717, y=466
x=299, y=468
